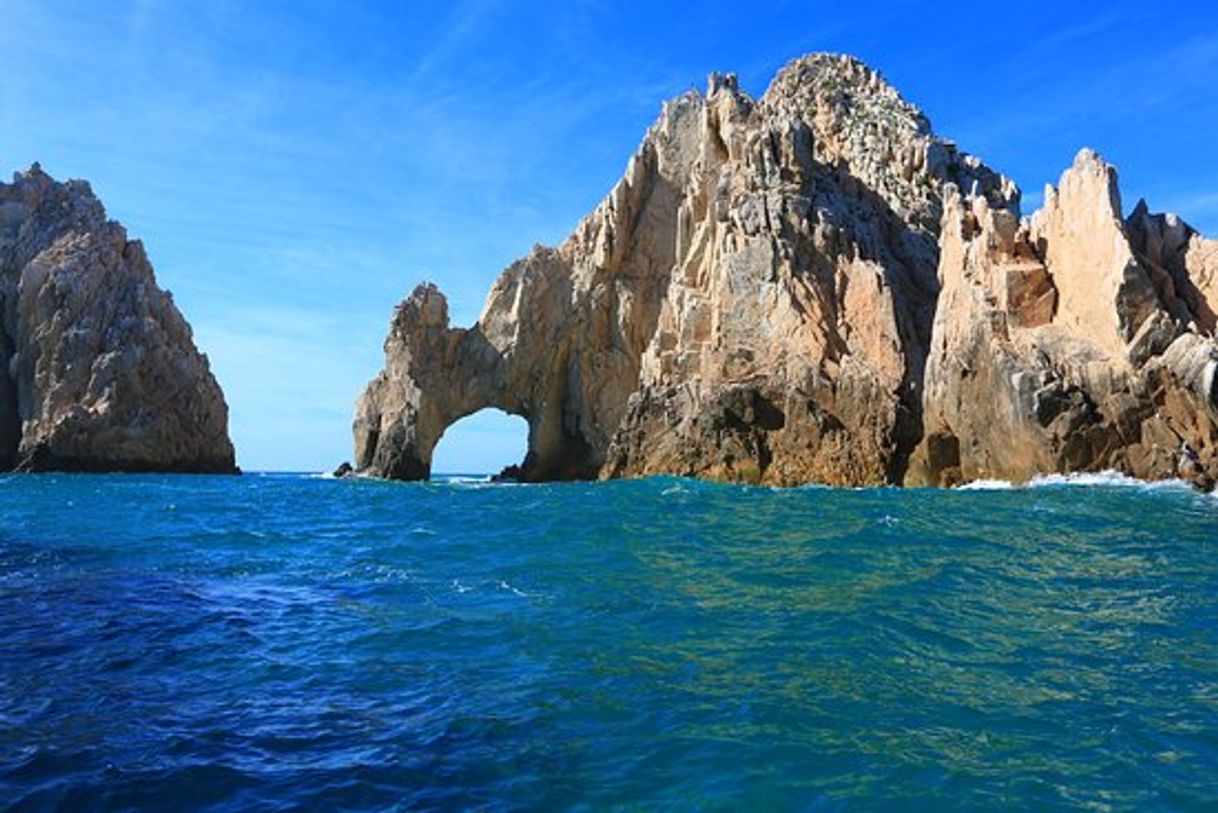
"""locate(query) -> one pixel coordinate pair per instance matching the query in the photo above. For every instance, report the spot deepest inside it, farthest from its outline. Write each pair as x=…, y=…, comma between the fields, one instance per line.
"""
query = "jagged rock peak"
x=845, y=86
x=98, y=369
x=862, y=122
x=1069, y=342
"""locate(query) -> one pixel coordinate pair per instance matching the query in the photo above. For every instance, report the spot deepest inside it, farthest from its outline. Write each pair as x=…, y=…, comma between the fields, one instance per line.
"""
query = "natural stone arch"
x=436, y=375
x=560, y=339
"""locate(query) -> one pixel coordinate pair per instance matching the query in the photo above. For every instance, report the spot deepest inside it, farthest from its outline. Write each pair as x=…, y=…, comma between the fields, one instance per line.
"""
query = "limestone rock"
x=98, y=370
x=794, y=328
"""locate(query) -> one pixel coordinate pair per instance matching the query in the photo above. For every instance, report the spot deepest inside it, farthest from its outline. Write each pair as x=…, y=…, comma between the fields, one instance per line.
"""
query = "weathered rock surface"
x=795, y=323
x=98, y=371
x=793, y=289
x=752, y=300
x=1072, y=341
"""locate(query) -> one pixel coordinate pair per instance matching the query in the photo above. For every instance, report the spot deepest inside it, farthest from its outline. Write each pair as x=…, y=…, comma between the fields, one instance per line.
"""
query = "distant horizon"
x=294, y=175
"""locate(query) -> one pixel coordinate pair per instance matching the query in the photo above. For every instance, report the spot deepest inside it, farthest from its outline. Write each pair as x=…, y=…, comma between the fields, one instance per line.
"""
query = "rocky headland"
x=98, y=369
x=812, y=286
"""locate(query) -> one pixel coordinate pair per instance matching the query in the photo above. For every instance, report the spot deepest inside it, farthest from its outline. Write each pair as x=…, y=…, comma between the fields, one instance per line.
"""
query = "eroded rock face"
x=1074, y=341
x=560, y=337
x=794, y=328
x=812, y=287
x=98, y=371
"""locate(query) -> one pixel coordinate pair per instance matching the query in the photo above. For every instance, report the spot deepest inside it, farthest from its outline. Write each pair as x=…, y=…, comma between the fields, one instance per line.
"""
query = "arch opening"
x=486, y=443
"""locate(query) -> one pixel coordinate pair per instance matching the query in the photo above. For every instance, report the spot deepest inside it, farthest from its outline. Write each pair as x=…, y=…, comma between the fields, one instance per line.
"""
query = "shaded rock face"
x=98, y=371
x=1070, y=342
x=812, y=287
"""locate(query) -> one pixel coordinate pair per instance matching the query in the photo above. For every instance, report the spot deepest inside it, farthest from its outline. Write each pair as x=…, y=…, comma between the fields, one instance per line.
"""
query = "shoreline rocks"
x=98, y=368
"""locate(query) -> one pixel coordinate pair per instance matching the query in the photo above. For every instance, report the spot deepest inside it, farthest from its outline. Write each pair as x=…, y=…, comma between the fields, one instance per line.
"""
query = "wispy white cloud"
x=1093, y=26
x=465, y=19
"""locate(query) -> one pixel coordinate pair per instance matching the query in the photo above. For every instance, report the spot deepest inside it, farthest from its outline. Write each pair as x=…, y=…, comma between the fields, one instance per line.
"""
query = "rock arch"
x=794, y=289
x=436, y=375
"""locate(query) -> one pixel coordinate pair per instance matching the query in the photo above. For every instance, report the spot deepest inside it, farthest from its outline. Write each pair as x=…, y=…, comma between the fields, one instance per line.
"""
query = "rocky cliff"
x=1076, y=340
x=98, y=371
x=813, y=287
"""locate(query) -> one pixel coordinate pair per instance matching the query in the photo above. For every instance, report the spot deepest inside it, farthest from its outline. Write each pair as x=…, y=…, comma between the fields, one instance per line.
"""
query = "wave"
x=462, y=479
x=1109, y=478
x=987, y=485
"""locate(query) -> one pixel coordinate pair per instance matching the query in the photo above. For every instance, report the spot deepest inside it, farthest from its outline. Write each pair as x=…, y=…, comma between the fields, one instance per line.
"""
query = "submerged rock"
x=98, y=370
x=813, y=287
x=509, y=474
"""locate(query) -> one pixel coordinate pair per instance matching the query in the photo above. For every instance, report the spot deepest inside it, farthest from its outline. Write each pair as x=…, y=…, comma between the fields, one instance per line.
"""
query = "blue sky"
x=294, y=171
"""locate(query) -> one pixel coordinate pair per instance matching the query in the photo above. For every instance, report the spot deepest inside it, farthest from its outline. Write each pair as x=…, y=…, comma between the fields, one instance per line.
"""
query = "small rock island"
x=814, y=287
x=98, y=369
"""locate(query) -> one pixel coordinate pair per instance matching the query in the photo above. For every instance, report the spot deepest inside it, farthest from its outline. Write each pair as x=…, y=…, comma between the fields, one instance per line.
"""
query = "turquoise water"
x=296, y=643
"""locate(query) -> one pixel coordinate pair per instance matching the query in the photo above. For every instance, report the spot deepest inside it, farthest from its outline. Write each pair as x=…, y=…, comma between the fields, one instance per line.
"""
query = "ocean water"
x=297, y=643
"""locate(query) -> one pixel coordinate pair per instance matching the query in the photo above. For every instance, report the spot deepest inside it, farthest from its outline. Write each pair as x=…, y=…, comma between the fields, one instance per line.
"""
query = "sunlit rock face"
x=98, y=371
x=813, y=287
x=1074, y=341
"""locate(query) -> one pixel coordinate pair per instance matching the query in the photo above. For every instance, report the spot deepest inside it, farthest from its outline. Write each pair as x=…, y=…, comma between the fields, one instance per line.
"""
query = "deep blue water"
x=296, y=643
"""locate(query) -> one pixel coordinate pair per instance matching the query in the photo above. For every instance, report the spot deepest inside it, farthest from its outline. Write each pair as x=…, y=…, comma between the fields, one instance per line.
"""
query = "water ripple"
x=285, y=643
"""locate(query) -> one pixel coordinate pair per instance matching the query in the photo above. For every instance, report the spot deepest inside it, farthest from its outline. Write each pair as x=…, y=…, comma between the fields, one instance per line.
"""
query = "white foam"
x=1108, y=478
x=505, y=586
x=987, y=485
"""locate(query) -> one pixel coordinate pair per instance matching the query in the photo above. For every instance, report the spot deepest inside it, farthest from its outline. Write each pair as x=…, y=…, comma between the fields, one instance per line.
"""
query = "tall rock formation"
x=794, y=327
x=793, y=289
x=752, y=300
x=98, y=371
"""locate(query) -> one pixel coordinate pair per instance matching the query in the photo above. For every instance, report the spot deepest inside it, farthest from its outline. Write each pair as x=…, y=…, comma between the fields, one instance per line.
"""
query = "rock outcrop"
x=98, y=370
x=1073, y=341
x=794, y=289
